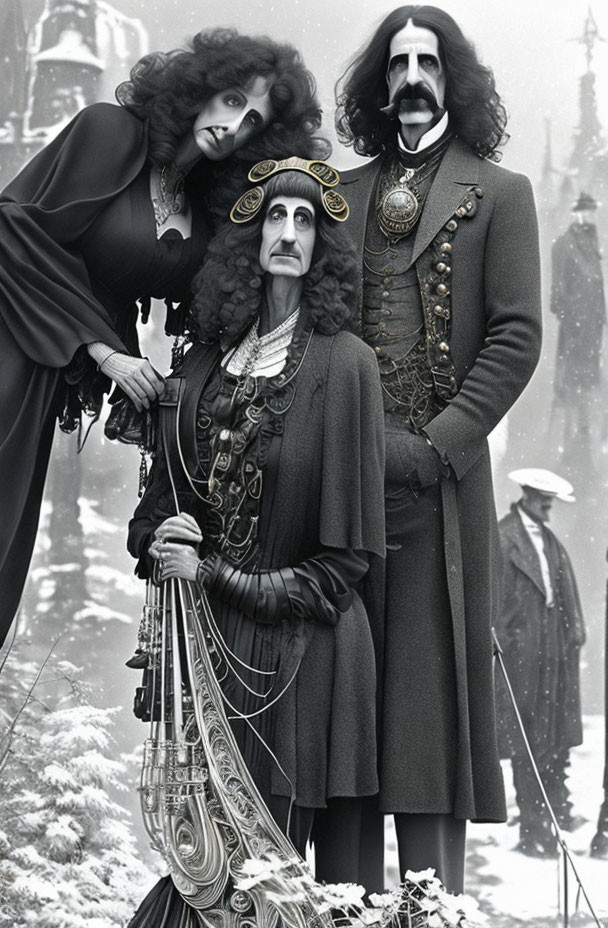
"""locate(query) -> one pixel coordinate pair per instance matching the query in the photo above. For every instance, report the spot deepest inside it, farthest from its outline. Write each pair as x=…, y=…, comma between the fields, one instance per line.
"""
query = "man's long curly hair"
x=169, y=88
x=229, y=289
x=476, y=112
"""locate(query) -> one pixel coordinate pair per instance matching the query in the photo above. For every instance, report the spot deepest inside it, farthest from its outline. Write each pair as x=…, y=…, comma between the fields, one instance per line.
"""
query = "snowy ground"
x=515, y=890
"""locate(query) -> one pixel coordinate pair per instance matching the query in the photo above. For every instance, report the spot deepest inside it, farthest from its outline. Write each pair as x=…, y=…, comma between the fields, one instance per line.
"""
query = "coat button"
x=441, y=289
x=461, y=211
x=479, y=192
x=441, y=267
x=446, y=248
x=452, y=225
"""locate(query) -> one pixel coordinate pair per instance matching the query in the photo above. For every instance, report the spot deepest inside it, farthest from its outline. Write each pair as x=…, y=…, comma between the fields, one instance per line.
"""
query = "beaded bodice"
x=239, y=420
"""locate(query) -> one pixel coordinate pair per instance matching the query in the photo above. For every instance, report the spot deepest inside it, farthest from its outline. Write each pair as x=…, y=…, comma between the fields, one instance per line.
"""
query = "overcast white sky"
x=528, y=43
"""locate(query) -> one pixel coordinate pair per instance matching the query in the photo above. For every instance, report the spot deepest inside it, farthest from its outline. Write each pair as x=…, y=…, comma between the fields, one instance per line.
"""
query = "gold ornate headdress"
x=249, y=204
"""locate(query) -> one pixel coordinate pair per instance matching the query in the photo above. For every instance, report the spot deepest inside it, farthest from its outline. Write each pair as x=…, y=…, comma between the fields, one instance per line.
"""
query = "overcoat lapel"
x=198, y=366
x=358, y=187
x=523, y=554
x=459, y=168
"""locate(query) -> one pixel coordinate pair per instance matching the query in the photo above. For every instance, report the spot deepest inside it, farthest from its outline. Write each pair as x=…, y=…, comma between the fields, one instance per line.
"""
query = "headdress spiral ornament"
x=249, y=204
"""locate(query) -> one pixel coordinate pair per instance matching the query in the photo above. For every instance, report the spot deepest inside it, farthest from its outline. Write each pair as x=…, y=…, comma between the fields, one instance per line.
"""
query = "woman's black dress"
x=78, y=247
x=320, y=464
x=315, y=465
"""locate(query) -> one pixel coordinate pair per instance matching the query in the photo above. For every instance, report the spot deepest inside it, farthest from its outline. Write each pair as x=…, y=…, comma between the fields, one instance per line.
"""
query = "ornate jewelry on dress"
x=262, y=355
x=249, y=204
x=167, y=203
x=233, y=432
x=408, y=382
x=399, y=203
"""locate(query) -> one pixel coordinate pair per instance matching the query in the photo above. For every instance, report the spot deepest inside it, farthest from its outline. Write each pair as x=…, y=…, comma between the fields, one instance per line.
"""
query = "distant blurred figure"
x=541, y=630
x=577, y=300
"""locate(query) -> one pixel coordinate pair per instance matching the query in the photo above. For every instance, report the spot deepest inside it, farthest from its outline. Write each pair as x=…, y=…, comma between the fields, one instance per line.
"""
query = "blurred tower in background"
x=73, y=55
x=589, y=159
x=66, y=69
x=586, y=168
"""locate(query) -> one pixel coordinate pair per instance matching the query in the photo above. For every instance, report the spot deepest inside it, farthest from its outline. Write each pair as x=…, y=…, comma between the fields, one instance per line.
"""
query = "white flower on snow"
x=259, y=870
x=418, y=876
x=383, y=900
x=343, y=895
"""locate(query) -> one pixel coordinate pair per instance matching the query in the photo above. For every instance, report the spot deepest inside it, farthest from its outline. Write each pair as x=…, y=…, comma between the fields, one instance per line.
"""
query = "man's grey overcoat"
x=495, y=343
x=541, y=646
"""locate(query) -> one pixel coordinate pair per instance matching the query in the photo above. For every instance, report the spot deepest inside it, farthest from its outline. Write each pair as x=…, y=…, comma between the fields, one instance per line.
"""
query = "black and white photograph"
x=303, y=464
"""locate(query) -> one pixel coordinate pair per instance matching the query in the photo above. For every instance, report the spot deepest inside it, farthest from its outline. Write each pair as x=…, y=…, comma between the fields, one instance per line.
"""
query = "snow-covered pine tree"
x=68, y=858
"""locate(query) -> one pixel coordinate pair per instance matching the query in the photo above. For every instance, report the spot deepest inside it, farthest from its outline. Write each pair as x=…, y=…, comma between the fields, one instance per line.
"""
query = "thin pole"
x=566, y=900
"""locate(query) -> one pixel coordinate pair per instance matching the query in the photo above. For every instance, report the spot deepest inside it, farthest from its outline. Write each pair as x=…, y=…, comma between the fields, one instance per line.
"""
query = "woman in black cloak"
x=116, y=209
x=264, y=506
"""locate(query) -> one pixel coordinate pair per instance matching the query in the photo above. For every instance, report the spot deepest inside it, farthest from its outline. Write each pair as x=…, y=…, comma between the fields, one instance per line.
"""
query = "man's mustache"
x=410, y=93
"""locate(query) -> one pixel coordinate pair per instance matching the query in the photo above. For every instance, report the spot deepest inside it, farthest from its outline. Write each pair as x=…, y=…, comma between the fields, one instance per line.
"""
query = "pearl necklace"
x=262, y=355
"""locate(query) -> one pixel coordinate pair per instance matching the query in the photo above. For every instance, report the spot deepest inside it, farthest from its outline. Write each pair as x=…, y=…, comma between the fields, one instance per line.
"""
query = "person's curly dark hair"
x=477, y=114
x=168, y=89
x=229, y=288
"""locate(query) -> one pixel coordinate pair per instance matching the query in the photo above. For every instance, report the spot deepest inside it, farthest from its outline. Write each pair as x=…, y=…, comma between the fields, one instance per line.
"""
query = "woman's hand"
x=182, y=527
x=136, y=378
x=174, y=560
x=172, y=547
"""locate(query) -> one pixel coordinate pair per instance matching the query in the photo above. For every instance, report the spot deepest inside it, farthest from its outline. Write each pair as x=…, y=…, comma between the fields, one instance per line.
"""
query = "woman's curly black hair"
x=477, y=114
x=229, y=289
x=169, y=88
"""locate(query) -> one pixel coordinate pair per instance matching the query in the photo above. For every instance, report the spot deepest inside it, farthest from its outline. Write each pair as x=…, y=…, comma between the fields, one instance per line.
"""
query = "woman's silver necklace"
x=167, y=203
x=262, y=355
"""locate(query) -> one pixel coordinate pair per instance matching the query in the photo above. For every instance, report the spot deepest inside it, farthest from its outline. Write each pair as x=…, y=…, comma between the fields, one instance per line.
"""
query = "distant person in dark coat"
x=541, y=630
x=447, y=244
x=578, y=302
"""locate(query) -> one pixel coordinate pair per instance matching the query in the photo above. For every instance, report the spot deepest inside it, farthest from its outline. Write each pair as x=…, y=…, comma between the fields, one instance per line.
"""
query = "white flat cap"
x=545, y=481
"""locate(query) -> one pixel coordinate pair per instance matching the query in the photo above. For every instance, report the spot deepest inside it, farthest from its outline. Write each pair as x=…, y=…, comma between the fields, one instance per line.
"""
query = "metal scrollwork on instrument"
x=201, y=807
x=203, y=811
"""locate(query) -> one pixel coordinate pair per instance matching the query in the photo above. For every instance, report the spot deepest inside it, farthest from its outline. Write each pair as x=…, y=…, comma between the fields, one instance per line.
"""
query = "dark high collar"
x=413, y=159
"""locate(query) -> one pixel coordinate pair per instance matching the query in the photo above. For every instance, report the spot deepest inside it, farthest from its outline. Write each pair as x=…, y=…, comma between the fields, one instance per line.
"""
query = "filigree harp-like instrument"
x=201, y=808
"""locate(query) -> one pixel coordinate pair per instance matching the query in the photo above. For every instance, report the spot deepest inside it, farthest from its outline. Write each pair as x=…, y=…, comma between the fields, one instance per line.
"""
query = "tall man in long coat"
x=578, y=302
x=540, y=628
x=450, y=301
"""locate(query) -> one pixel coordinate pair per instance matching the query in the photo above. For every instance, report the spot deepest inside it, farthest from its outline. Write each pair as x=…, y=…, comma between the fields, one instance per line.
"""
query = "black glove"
x=412, y=460
x=267, y=596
